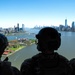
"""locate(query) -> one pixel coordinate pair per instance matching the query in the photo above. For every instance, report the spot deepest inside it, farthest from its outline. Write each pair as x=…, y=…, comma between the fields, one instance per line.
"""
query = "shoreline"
x=16, y=50
x=13, y=52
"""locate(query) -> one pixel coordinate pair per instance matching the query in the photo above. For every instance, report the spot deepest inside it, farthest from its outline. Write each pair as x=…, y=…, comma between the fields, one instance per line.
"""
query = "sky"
x=36, y=12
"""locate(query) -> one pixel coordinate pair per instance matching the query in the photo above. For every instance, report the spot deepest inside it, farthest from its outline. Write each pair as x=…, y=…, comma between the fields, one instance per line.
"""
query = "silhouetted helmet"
x=48, y=39
x=3, y=43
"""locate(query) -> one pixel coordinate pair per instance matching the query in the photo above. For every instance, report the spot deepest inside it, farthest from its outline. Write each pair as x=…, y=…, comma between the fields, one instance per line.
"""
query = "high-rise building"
x=18, y=26
x=66, y=23
x=73, y=26
x=23, y=27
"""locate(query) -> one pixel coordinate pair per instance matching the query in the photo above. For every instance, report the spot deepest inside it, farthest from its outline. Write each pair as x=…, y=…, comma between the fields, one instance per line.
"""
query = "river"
x=66, y=49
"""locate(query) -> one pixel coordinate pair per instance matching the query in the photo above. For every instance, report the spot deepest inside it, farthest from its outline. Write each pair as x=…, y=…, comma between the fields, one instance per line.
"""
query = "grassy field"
x=16, y=45
x=15, y=48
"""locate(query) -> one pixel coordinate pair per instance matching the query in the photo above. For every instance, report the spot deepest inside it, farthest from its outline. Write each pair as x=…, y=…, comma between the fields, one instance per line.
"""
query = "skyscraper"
x=18, y=26
x=66, y=23
x=23, y=27
x=73, y=26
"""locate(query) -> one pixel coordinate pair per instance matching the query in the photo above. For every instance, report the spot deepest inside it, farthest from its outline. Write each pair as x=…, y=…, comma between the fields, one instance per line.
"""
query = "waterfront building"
x=73, y=26
x=23, y=27
x=15, y=29
x=66, y=23
x=61, y=28
x=18, y=26
x=0, y=29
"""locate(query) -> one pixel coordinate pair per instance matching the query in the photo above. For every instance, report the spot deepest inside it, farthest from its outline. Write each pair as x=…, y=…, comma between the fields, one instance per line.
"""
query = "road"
x=18, y=57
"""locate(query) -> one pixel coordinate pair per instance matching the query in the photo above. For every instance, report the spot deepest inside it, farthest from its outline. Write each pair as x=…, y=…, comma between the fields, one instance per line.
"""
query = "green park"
x=15, y=45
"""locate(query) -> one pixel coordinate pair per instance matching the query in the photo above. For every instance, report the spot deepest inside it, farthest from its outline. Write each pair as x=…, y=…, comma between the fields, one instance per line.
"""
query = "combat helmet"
x=48, y=39
x=3, y=43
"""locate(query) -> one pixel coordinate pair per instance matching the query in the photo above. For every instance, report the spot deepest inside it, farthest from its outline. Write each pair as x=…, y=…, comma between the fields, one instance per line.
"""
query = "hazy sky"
x=36, y=12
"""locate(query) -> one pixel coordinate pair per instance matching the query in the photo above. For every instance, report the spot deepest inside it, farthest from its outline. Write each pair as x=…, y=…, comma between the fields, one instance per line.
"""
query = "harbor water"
x=66, y=49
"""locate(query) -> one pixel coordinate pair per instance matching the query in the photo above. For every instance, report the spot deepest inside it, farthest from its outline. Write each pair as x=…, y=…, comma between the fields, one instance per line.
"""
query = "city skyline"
x=36, y=12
